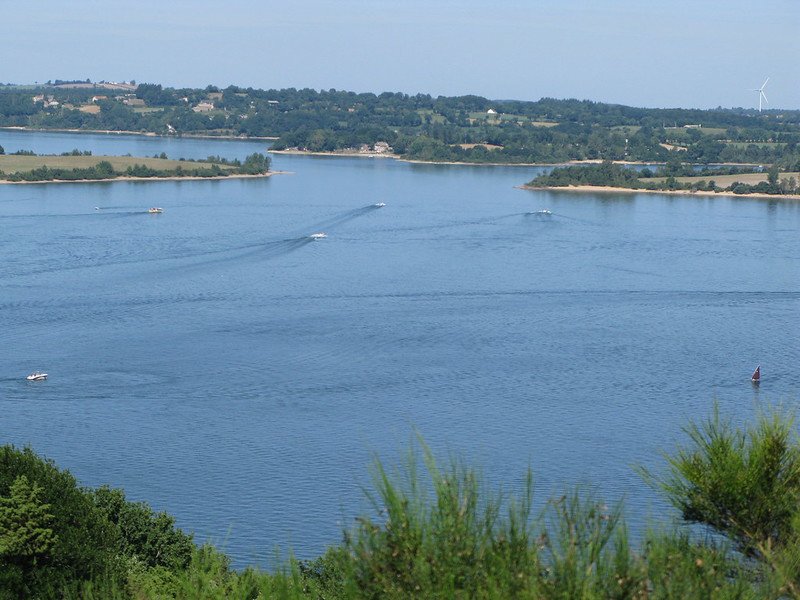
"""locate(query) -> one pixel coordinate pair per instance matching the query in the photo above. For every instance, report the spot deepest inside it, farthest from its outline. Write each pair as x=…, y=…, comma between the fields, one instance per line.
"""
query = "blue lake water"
x=217, y=363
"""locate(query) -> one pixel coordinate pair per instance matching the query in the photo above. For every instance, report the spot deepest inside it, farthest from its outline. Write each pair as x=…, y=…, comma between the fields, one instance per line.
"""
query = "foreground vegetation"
x=437, y=533
x=77, y=165
x=673, y=177
x=420, y=127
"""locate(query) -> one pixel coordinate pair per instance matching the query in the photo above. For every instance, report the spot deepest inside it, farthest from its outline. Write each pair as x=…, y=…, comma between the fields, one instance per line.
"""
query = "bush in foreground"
x=437, y=533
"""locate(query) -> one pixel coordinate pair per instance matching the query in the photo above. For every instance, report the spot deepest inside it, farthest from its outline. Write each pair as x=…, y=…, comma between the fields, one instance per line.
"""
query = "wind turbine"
x=761, y=94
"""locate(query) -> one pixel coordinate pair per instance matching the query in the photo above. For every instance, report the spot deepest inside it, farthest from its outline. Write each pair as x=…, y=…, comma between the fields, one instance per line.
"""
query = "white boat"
x=37, y=376
x=155, y=210
x=318, y=236
x=379, y=205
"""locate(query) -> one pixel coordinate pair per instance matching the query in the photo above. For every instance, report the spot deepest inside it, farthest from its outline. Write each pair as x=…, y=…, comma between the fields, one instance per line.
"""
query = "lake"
x=221, y=365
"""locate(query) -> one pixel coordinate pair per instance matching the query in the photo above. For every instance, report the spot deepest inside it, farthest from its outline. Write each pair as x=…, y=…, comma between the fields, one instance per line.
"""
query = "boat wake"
x=263, y=251
x=343, y=218
x=269, y=249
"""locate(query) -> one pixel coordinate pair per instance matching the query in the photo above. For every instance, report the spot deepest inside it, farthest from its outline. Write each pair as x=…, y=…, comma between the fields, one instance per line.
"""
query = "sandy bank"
x=171, y=178
x=359, y=154
x=616, y=190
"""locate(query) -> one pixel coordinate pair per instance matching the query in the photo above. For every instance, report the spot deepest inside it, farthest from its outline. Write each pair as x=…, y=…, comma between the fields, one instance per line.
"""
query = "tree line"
x=424, y=127
x=663, y=178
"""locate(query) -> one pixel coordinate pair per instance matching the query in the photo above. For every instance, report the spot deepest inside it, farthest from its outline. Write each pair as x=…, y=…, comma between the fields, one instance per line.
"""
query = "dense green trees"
x=548, y=130
x=54, y=533
x=81, y=544
x=604, y=174
x=255, y=163
x=26, y=536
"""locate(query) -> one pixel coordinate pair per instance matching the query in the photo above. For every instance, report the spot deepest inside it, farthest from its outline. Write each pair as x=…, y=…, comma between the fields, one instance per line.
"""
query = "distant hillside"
x=463, y=128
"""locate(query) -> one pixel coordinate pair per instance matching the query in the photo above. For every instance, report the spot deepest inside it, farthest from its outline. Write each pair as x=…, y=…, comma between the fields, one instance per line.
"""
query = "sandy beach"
x=359, y=154
x=171, y=178
x=617, y=190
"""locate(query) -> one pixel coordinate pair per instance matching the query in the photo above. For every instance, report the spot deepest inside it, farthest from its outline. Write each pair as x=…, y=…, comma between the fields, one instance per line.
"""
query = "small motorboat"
x=540, y=213
x=37, y=376
x=379, y=205
x=756, y=377
x=155, y=210
x=318, y=236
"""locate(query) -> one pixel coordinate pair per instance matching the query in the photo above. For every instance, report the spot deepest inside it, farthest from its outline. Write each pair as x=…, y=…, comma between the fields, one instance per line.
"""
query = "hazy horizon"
x=688, y=55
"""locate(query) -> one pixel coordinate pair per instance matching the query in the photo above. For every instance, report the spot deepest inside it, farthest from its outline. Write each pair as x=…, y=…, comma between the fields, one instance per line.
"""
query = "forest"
x=468, y=128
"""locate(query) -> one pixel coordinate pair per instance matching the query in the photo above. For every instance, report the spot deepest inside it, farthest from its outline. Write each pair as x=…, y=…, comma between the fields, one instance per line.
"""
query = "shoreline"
x=130, y=178
x=343, y=154
x=354, y=153
x=398, y=157
x=142, y=133
x=611, y=189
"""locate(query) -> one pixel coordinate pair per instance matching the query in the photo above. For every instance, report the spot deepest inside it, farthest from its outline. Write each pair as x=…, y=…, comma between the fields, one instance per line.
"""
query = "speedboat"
x=37, y=376
x=155, y=210
x=318, y=236
x=540, y=213
x=379, y=205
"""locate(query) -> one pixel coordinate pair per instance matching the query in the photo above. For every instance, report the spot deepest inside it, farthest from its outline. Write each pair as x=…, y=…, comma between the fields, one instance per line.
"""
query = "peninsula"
x=674, y=178
x=81, y=166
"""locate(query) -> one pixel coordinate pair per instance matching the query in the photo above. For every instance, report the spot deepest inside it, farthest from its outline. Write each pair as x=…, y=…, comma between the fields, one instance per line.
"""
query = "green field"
x=674, y=133
x=759, y=144
x=21, y=164
x=501, y=117
x=435, y=117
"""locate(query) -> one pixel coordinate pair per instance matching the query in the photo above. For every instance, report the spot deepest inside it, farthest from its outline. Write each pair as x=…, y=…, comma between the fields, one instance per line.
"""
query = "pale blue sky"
x=638, y=52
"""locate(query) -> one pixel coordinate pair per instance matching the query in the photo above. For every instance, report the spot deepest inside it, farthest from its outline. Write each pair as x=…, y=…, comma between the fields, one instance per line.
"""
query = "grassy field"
x=487, y=146
x=20, y=164
x=496, y=119
x=435, y=117
x=759, y=144
x=625, y=129
x=726, y=180
x=679, y=132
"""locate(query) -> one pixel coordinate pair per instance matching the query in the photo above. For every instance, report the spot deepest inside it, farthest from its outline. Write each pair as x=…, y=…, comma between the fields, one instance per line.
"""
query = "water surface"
x=218, y=363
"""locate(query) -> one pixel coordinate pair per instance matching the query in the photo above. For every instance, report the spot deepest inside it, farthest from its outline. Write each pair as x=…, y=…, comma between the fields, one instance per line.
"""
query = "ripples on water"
x=220, y=364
